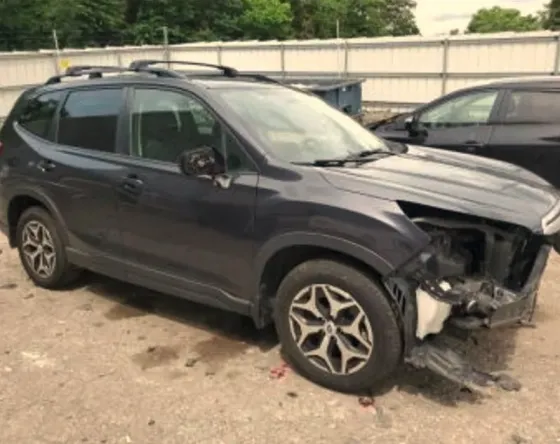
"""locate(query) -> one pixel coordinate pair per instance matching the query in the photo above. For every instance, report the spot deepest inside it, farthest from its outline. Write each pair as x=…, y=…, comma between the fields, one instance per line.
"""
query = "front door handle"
x=45, y=165
x=132, y=184
x=472, y=146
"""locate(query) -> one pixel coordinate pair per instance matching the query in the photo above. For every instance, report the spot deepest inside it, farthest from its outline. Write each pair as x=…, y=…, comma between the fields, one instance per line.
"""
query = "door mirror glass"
x=409, y=122
x=203, y=161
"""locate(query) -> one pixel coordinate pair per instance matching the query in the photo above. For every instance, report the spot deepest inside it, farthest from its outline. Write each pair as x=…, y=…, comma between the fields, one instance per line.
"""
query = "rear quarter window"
x=37, y=115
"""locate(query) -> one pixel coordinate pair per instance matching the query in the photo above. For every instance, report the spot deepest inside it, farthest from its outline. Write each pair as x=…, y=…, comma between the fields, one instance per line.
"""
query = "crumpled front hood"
x=458, y=182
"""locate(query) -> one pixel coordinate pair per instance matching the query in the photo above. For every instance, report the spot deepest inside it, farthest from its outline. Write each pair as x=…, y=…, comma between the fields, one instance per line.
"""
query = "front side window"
x=38, y=114
x=468, y=109
x=533, y=107
x=164, y=124
x=298, y=127
x=89, y=118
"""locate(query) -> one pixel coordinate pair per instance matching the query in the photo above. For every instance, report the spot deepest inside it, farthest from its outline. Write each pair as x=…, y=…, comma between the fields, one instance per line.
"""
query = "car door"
x=77, y=170
x=191, y=235
x=528, y=132
x=461, y=123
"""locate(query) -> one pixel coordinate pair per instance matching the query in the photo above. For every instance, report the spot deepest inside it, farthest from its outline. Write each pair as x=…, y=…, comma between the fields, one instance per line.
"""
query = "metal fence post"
x=346, y=56
x=166, y=52
x=56, y=55
x=283, y=59
x=556, y=66
x=219, y=53
x=444, y=67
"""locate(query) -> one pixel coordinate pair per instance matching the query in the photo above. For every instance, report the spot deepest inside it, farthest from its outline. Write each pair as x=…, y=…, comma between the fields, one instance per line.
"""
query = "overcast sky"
x=441, y=16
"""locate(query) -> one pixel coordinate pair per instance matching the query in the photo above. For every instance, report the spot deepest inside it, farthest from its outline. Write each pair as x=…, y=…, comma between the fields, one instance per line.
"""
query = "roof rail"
x=227, y=71
x=97, y=71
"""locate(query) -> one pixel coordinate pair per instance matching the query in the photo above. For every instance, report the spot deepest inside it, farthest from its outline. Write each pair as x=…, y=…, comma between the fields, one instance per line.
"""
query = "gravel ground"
x=111, y=363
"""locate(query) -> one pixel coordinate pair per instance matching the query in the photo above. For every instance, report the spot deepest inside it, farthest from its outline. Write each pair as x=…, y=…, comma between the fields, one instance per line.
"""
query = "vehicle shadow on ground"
x=489, y=351
x=133, y=301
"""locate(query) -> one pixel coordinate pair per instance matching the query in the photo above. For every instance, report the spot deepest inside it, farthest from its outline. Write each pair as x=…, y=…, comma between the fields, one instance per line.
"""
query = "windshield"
x=298, y=127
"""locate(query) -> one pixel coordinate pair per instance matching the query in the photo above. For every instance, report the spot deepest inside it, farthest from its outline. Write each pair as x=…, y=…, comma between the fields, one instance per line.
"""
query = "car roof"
x=520, y=82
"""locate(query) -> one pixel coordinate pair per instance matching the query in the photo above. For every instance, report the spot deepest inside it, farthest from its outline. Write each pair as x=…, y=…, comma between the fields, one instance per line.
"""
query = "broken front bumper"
x=510, y=307
x=476, y=303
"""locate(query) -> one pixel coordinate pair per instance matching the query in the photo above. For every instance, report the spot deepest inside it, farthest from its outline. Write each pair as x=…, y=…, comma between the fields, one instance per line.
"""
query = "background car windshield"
x=298, y=127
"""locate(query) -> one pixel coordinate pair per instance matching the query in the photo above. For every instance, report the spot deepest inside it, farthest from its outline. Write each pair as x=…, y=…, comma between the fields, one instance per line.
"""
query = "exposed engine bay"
x=475, y=274
x=475, y=270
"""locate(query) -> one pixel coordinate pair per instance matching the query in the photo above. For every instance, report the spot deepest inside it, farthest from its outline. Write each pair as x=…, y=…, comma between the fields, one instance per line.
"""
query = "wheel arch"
x=22, y=199
x=282, y=253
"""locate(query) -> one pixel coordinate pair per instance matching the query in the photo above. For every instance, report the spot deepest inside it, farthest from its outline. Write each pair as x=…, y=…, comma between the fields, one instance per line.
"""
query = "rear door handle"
x=46, y=165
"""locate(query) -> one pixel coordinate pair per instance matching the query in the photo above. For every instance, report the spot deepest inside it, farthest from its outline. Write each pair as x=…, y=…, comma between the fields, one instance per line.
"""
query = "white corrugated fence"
x=399, y=71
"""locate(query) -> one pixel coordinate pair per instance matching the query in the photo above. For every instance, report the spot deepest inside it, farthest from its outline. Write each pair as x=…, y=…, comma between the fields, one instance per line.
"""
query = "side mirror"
x=410, y=122
x=203, y=161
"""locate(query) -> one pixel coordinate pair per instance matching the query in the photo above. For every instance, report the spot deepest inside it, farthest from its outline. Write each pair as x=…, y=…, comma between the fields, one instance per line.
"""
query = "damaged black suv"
x=236, y=191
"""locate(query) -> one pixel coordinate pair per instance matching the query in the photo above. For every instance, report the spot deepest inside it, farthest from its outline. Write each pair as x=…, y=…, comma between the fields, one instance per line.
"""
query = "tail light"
x=1, y=147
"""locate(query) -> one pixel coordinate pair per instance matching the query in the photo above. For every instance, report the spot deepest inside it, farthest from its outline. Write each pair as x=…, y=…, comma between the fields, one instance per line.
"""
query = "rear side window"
x=532, y=107
x=38, y=114
x=88, y=119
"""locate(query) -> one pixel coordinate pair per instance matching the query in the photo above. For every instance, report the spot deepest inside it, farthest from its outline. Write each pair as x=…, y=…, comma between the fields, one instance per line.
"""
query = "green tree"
x=28, y=24
x=82, y=23
x=23, y=26
x=498, y=19
x=357, y=18
x=551, y=15
x=398, y=17
x=266, y=19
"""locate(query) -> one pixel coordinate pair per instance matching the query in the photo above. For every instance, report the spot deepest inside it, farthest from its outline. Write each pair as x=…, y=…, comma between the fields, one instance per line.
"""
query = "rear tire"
x=351, y=313
x=41, y=250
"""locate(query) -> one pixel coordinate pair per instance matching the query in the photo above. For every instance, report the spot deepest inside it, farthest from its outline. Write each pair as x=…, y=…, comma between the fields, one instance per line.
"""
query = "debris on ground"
x=8, y=286
x=191, y=362
x=292, y=394
x=151, y=422
x=366, y=401
x=29, y=296
x=280, y=371
x=518, y=439
x=507, y=383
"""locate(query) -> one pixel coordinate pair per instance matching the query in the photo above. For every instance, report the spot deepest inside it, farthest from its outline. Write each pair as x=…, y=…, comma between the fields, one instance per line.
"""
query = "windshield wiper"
x=360, y=157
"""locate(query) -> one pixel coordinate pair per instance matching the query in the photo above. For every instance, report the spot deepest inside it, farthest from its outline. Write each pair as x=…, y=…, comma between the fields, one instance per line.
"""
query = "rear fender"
x=45, y=201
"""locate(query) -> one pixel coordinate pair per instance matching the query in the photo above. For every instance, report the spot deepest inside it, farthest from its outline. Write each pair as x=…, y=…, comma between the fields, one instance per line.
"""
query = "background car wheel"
x=41, y=250
x=336, y=326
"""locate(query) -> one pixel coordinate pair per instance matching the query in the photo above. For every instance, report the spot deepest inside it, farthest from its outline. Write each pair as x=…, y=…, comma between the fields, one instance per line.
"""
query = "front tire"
x=337, y=327
x=41, y=250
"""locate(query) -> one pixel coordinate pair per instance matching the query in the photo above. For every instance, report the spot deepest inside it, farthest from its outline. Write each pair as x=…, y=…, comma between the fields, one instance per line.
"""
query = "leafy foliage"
x=28, y=24
x=498, y=19
x=551, y=15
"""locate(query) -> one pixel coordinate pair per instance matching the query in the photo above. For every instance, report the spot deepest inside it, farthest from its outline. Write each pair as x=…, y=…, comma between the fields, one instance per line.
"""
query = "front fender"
x=349, y=248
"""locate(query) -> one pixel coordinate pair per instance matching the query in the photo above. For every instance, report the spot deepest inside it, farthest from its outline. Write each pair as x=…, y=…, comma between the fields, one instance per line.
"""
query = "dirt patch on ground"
x=111, y=363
